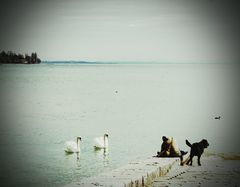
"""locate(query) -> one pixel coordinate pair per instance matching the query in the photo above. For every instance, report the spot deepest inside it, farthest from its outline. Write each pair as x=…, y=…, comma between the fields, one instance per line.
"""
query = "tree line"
x=13, y=58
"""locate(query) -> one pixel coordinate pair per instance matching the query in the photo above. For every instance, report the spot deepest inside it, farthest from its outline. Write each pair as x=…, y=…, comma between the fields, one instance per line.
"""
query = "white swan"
x=101, y=142
x=72, y=146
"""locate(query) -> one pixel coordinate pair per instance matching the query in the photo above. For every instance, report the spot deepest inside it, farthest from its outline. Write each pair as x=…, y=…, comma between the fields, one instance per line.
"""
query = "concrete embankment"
x=134, y=174
x=214, y=172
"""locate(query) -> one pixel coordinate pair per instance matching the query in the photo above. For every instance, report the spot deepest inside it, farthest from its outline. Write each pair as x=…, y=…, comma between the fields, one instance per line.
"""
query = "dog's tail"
x=188, y=143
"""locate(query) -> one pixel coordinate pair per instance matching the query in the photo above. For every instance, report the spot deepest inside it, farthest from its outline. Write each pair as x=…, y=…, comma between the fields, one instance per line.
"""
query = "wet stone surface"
x=213, y=172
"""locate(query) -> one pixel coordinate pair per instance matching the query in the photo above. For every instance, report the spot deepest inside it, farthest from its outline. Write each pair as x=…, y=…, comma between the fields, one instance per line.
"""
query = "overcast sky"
x=123, y=30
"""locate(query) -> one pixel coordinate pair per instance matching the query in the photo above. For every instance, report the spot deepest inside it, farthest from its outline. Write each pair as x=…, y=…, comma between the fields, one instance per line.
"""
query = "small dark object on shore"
x=218, y=117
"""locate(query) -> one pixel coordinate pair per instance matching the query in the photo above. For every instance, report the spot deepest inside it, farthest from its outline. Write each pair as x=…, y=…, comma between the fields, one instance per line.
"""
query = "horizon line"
x=128, y=62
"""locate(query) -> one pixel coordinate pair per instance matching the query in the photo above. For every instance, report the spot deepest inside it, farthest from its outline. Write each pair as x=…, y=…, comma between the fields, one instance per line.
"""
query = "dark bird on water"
x=217, y=117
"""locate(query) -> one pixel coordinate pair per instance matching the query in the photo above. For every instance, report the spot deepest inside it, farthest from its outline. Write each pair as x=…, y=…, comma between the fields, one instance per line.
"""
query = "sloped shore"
x=158, y=172
x=215, y=171
x=134, y=174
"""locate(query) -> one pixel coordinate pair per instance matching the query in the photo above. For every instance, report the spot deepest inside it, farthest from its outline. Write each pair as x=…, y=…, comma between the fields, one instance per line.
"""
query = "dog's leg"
x=191, y=160
x=181, y=160
x=199, y=163
x=185, y=160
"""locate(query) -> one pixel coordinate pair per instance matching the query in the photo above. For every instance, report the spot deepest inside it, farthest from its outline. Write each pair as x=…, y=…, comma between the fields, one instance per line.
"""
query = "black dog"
x=197, y=150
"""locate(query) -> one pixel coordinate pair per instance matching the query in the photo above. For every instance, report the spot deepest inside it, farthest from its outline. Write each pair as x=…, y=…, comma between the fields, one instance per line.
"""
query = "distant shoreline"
x=123, y=63
x=14, y=58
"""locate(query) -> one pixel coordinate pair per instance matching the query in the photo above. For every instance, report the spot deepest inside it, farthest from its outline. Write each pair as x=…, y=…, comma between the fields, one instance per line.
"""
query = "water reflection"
x=77, y=155
x=101, y=153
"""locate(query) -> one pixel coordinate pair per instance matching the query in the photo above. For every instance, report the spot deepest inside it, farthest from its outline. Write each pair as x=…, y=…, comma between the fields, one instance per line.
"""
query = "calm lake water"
x=44, y=105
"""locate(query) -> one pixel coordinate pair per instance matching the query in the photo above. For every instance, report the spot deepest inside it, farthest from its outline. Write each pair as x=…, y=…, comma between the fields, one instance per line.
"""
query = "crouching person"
x=169, y=148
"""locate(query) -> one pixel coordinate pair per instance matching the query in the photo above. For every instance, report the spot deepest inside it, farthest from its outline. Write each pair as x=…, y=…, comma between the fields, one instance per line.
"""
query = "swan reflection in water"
x=101, y=153
x=101, y=146
x=78, y=155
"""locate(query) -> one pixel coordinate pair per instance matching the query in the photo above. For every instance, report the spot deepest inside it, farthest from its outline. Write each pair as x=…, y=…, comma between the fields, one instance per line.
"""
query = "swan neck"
x=105, y=141
x=78, y=145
